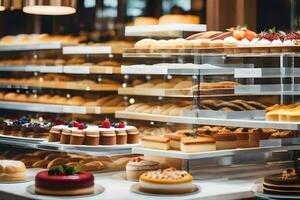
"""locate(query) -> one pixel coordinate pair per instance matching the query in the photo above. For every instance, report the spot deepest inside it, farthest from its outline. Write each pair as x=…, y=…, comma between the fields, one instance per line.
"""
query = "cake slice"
x=156, y=142
x=197, y=144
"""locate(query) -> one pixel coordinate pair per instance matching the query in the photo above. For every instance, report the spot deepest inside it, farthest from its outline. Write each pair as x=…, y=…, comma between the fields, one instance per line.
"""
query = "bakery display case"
x=167, y=109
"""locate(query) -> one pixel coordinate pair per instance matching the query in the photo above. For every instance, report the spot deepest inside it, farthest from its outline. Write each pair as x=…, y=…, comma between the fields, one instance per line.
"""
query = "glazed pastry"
x=137, y=166
x=259, y=134
x=175, y=139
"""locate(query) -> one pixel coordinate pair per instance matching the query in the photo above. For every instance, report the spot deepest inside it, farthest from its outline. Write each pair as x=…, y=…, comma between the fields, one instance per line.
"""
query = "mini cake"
x=64, y=181
x=259, y=134
x=120, y=133
x=175, y=139
x=7, y=128
x=261, y=46
x=66, y=135
x=107, y=133
x=132, y=135
x=197, y=144
x=55, y=133
x=242, y=137
x=11, y=170
x=156, y=142
x=225, y=139
x=287, y=183
x=92, y=136
x=77, y=137
x=137, y=166
x=27, y=130
x=230, y=42
x=168, y=181
x=16, y=128
x=41, y=130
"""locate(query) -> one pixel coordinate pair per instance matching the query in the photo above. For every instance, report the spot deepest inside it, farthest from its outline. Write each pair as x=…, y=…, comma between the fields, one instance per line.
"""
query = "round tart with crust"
x=168, y=181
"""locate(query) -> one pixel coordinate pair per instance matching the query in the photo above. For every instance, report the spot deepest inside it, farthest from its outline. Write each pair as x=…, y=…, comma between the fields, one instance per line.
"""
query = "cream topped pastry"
x=137, y=166
x=263, y=43
x=277, y=42
x=244, y=43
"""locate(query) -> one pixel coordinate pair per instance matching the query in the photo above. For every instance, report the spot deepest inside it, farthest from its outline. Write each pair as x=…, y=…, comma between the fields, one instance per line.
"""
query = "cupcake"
x=242, y=137
x=41, y=130
x=55, y=133
x=137, y=166
x=2, y=124
x=225, y=139
x=121, y=133
x=92, y=136
x=132, y=135
x=27, y=130
x=66, y=135
x=16, y=128
x=107, y=134
x=77, y=137
x=7, y=128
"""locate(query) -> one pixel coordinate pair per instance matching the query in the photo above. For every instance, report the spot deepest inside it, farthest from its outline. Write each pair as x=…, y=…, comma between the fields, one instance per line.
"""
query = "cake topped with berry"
x=64, y=181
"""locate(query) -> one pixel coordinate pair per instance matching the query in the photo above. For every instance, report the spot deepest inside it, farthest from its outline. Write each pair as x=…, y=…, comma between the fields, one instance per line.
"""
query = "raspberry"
x=81, y=126
x=121, y=125
x=271, y=35
x=105, y=124
x=75, y=123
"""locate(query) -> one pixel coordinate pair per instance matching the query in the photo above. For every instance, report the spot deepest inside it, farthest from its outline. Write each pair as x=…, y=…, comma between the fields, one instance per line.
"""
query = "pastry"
x=132, y=135
x=197, y=144
x=175, y=139
x=145, y=21
x=121, y=134
x=55, y=133
x=92, y=166
x=65, y=135
x=225, y=139
x=41, y=130
x=283, y=134
x=137, y=166
x=168, y=181
x=259, y=134
x=179, y=19
x=41, y=164
x=56, y=162
x=64, y=181
x=11, y=170
x=144, y=44
x=155, y=142
x=242, y=137
x=107, y=136
x=77, y=137
x=286, y=183
x=92, y=136
x=27, y=130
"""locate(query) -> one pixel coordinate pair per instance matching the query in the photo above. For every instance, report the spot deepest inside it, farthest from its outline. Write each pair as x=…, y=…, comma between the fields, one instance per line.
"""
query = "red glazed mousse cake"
x=64, y=181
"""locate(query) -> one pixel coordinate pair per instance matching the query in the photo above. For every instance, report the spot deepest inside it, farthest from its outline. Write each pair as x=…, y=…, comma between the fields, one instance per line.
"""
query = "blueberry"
x=70, y=125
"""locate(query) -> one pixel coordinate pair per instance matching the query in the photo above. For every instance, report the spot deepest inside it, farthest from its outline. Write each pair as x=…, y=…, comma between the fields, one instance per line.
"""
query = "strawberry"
x=271, y=35
x=105, y=123
x=121, y=125
x=293, y=36
x=75, y=123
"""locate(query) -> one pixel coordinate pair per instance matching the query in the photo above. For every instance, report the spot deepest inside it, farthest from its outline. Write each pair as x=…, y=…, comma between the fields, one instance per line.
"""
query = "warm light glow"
x=2, y=8
x=49, y=10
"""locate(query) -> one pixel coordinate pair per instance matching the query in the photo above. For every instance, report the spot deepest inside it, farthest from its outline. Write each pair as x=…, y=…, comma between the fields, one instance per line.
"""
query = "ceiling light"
x=50, y=7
